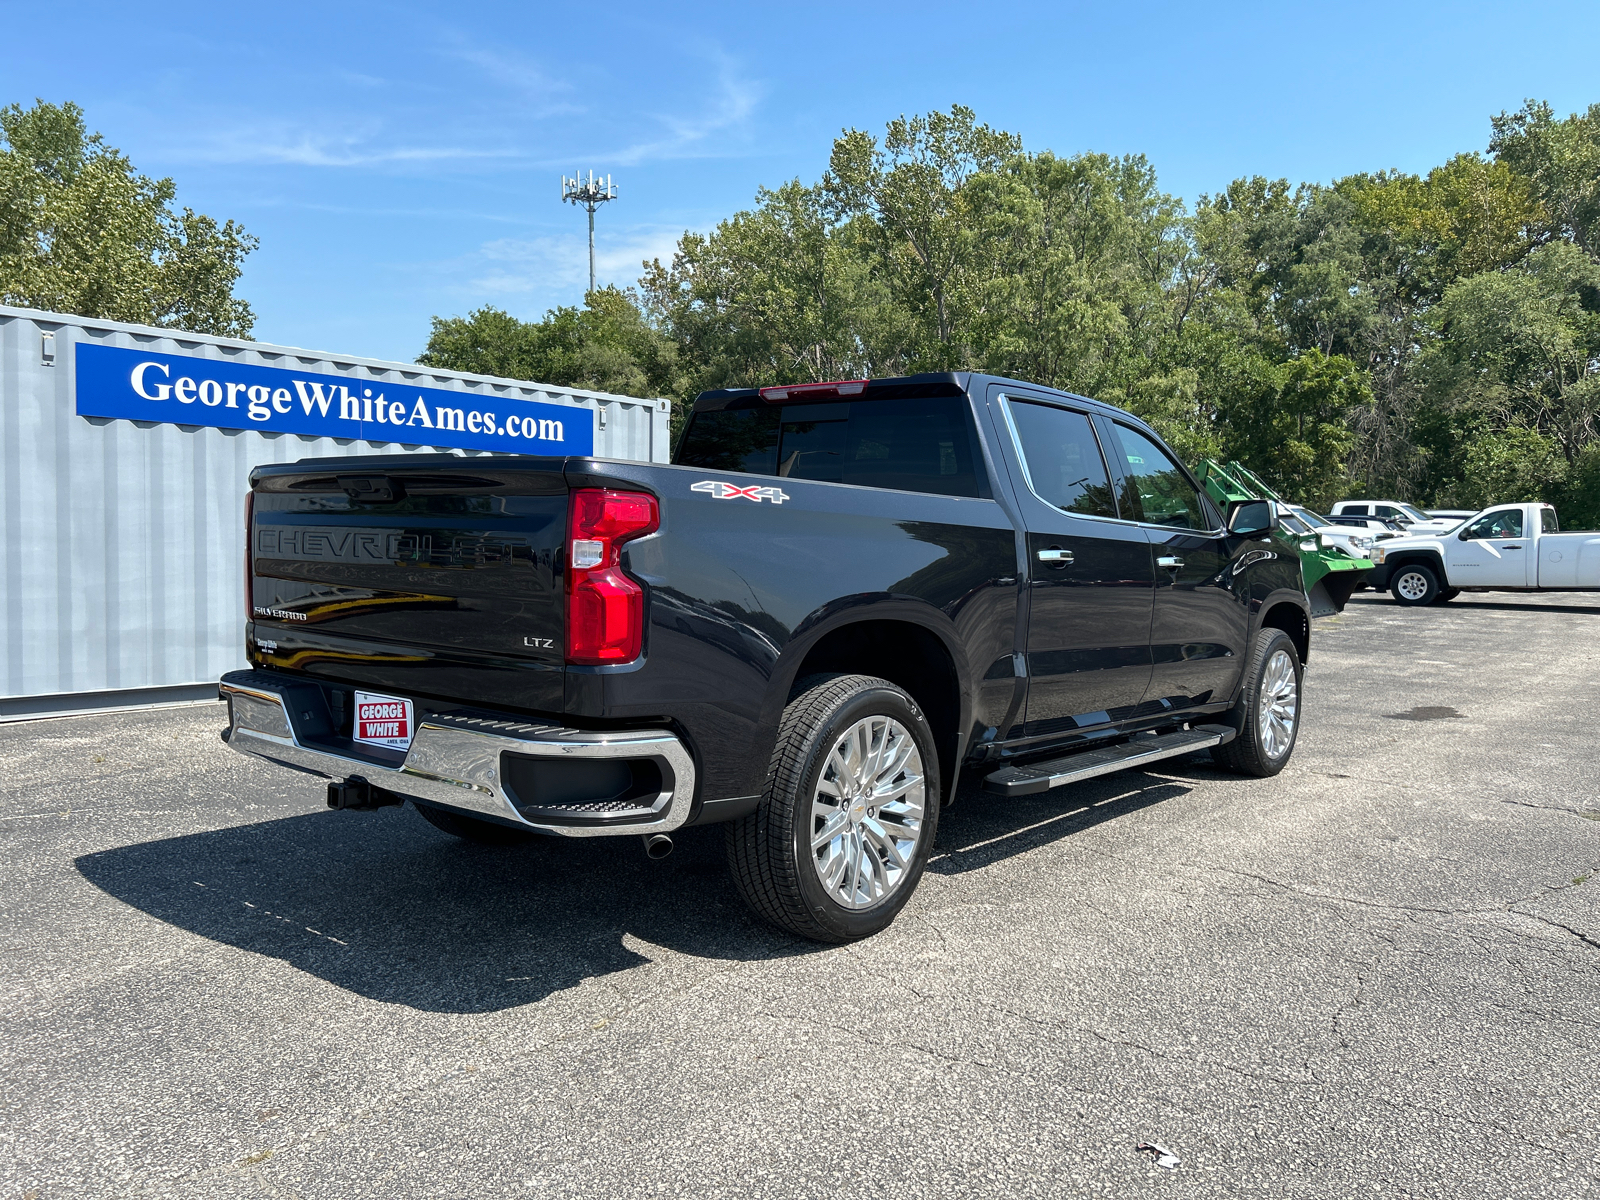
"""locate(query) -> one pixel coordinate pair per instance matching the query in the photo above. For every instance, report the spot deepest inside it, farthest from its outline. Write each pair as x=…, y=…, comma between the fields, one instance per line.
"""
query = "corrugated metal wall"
x=121, y=542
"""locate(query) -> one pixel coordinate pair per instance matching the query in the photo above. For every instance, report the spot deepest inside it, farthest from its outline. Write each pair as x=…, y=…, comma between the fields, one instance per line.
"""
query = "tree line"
x=1434, y=338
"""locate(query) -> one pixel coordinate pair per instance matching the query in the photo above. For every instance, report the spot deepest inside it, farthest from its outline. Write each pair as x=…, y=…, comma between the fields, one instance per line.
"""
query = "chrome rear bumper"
x=454, y=759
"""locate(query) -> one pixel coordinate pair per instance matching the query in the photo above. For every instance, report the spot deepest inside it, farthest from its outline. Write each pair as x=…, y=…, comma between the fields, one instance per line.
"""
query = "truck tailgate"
x=354, y=562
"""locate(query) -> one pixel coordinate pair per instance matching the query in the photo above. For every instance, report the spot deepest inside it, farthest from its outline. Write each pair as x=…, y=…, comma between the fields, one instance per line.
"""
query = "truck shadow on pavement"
x=1473, y=603
x=384, y=906
x=981, y=829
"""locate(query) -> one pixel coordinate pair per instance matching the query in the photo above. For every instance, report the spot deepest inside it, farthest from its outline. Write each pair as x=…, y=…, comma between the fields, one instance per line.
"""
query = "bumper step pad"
x=1087, y=764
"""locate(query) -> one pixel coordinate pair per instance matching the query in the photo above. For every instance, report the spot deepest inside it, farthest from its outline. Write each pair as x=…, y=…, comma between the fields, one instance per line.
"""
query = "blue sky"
x=404, y=160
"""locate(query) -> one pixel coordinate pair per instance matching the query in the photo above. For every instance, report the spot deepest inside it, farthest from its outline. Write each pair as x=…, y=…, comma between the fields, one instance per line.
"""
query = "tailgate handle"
x=372, y=489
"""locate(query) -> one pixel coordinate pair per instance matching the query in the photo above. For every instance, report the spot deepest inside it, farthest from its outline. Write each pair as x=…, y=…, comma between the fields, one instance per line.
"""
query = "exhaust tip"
x=658, y=845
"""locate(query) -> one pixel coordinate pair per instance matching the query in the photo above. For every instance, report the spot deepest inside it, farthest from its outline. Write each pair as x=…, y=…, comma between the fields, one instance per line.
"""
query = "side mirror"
x=1465, y=535
x=1249, y=517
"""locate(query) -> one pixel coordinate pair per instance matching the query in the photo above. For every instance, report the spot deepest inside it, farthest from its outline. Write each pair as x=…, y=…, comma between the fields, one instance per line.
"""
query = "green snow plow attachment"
x=1331, y=576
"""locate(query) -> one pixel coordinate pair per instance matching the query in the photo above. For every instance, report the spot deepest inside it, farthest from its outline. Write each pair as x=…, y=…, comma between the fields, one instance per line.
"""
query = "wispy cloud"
x=540, y=267
x=519, y=74
x=359, y=146
x=730, y=109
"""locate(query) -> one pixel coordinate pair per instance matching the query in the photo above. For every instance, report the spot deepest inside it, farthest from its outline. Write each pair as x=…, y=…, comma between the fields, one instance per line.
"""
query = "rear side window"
x=1353, y=510
x=1547, y=521
x=1063, y=457
x=917, y=445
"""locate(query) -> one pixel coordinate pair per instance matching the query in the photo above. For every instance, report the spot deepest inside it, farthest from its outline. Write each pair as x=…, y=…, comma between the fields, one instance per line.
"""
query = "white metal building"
x=121, y=540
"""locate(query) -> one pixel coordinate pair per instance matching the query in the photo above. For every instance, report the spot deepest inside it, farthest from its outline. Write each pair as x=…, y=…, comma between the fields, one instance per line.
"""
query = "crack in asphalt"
x=1577, y=812
x=1436, y=910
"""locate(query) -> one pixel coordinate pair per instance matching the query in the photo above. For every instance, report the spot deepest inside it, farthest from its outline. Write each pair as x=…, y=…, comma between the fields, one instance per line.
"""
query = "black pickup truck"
x=838, y=599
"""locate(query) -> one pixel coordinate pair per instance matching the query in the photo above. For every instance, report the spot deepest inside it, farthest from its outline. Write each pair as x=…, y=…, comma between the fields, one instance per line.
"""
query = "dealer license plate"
x=384, y=721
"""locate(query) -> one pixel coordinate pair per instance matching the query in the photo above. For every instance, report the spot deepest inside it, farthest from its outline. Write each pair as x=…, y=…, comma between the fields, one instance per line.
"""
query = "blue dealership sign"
x=174, y=389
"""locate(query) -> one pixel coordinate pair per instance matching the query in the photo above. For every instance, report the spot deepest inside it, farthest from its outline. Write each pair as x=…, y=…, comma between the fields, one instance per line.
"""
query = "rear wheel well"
x=907, y=655
x=1292, y=619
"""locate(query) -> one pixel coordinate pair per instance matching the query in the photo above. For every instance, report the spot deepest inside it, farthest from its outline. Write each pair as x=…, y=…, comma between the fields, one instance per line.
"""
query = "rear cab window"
x=921, y=444
x=1548, y=522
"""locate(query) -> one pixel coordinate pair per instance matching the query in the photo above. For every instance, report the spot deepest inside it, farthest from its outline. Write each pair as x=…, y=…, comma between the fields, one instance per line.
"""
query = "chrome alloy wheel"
x=867, y=813
x=1280, y=703
x=1411, y=585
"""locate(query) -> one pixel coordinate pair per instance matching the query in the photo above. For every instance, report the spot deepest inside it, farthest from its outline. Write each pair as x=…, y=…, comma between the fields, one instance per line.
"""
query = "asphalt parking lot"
x=1375, y=975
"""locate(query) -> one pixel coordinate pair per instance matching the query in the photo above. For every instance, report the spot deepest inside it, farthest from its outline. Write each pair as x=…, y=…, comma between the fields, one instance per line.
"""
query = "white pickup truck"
x=1510, y=547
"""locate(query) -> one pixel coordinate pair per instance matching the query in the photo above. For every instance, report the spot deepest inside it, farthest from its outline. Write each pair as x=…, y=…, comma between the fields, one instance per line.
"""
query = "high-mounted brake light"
x=813, y=391
x=605, y=609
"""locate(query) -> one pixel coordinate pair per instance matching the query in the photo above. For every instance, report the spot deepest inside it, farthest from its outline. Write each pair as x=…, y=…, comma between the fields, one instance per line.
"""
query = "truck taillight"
x=605, y=609
x=249, y=573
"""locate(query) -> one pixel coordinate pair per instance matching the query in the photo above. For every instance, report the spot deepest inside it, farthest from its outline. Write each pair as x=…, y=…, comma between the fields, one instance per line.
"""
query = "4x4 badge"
x=732, y=491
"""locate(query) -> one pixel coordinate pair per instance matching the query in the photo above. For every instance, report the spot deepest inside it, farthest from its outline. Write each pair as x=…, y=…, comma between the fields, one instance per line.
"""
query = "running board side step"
x=1087, y=764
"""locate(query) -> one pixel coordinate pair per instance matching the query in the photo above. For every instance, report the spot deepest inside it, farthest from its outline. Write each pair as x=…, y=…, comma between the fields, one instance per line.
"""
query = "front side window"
x=1063, y=458
x=1548, y=522
x=1507, y=523
x=1388, y=511
x=1159, y=491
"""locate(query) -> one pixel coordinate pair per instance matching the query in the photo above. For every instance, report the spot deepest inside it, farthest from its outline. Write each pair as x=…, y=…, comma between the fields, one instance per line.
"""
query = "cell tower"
x=590, y=195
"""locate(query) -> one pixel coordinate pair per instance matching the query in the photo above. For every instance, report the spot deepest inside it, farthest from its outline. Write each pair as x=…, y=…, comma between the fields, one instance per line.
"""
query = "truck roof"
x=896, y=387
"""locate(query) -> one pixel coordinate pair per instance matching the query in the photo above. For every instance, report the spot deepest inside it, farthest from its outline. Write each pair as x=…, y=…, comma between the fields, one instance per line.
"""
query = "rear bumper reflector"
x=454, y=759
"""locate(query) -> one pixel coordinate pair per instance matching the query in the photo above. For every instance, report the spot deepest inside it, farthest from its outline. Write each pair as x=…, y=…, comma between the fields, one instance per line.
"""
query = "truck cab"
x=1508, y=547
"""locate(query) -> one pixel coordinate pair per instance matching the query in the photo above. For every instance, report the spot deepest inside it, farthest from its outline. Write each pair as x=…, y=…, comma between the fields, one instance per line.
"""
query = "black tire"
x=1447, y=595
x=472, y=829
x=1249, y=753
x=770, y=851
x=1413, y=585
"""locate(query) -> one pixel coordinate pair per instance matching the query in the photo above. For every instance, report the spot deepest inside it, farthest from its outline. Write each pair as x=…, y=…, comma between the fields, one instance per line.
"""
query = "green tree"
x=783, y=293
x=1517, y=350
x=82, y=232
x=914, y=188
x=606, y=346
x=1292, y=424
x=1562, y=159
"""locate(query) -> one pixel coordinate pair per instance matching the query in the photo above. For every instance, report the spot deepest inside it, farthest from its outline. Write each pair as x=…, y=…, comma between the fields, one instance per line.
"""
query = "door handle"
x=1170, y=561
x=1056, y=556
x=1511, y=547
